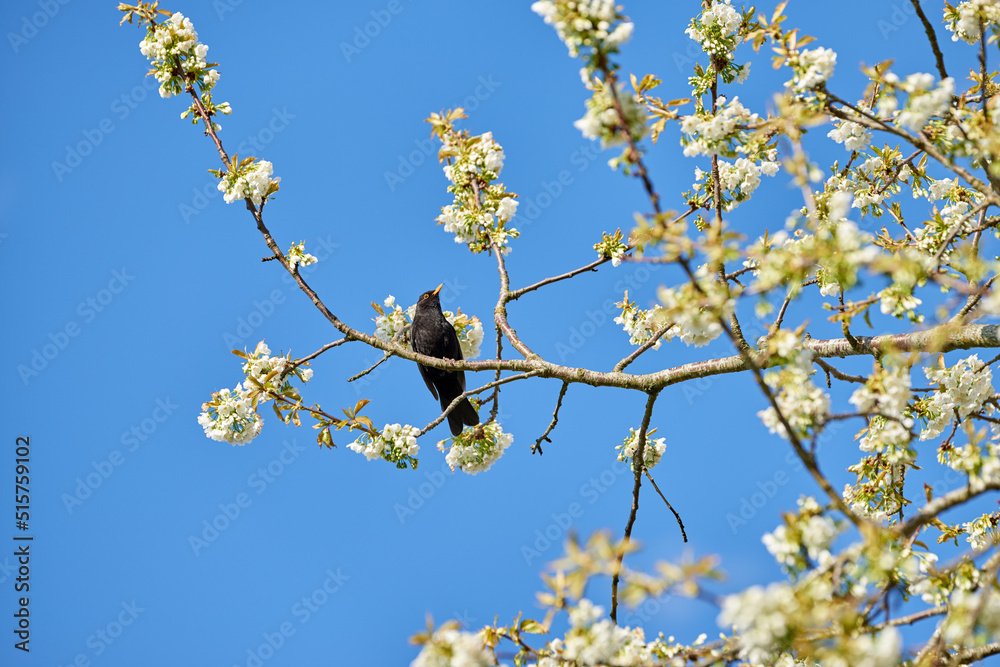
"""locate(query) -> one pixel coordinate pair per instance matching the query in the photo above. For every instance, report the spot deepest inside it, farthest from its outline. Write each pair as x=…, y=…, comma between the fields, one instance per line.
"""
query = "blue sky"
x=128, y=281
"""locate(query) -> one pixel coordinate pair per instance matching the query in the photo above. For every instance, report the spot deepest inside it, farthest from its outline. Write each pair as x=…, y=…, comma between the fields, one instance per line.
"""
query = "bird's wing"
x=454, y=351
x=425, y=373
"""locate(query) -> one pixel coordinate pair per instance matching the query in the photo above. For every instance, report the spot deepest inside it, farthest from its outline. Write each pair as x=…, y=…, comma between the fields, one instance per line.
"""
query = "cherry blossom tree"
x=920, y=151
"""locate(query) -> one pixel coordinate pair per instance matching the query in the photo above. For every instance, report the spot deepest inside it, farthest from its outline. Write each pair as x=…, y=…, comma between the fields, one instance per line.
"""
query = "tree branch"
x=555, y=419
x=638, y=465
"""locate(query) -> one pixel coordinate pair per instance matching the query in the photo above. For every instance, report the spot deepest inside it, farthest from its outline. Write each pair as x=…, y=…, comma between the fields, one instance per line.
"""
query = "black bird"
x=433, y=335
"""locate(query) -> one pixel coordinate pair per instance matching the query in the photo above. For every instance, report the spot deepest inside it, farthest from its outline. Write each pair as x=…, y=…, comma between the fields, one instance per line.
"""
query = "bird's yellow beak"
x=435, y=292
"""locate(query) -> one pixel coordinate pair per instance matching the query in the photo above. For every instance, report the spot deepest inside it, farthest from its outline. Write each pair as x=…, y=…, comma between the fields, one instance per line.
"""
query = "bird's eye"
x=423, y=296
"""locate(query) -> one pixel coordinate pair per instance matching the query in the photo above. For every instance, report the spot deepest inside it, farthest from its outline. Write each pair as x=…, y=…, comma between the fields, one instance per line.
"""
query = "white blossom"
x=652, y=452
x=230, y=417
x=962, y=390
x=813, y=67
x=254, y=182
x=854, y=136
x=394, y=443
x=969, y=18
x=804, y=405
x=472, y=454
x=450, y=647
x=923, y=103
x=709, y=134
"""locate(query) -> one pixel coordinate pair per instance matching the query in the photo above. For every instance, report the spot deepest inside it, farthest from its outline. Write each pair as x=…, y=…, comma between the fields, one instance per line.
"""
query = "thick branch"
x=934, y=508
x=932, y=38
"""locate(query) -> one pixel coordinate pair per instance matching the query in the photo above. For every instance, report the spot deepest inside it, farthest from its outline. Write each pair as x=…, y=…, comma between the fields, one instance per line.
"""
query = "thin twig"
x=518, y=293
x=472, y=392
x=667, y=502
x=310, y=357
x=623, y=364
x=555, y=419
x=840, y=375
x=370, y=368
x=638, y=466
x=495, y=396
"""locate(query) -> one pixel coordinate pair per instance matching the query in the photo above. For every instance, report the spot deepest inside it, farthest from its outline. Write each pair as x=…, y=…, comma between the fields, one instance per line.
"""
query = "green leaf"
x=532, y=627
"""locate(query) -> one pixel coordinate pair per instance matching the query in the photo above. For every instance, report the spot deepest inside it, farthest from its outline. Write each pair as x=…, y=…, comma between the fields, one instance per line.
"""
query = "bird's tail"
x=463, y=415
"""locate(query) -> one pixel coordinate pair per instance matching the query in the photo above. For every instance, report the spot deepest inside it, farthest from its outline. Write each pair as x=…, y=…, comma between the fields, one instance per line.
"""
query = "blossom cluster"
x=448, y=645
x=972, y=615
x=392, y=319
x=869, y=183
x=854, y=136
x=713, y=134
x=952, y=222
x=231, y=416
x=804, y=540
x=272, y=373
x=716, y=30
x=602, y=120
x=962, y=390
x=396, y=444
x=923, y=102
x=983, y=532
x=739, y=178
x=933, y=585
x=697, y=310
x=769, y=619
x=476, y=449
x=967, y=20
x=594, y=639
x=248, y=179
x=641, y=325
x=177, y=57
x=652, y=452
x=612, y=246
x=886, y=397
x=804, y=405
x=834, y=255
x=597, y=25
x=297, y=255
x=979, y=460
x=482, y=208
x=811, y=68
